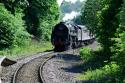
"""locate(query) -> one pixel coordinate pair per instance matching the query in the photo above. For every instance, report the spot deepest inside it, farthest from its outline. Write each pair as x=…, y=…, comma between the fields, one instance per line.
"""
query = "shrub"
x=6, y=29
x=40, y=16
x=103, y=74
x=12, y=32
x=86, y=54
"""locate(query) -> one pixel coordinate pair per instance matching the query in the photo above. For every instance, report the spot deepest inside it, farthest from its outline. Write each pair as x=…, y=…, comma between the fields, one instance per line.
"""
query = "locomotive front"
x=59, y=37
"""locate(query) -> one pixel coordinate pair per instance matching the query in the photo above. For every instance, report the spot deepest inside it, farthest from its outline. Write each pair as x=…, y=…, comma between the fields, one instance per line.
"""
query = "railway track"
x=48, y=74
x=53, y=70
x=40, y=70
x=29, y=71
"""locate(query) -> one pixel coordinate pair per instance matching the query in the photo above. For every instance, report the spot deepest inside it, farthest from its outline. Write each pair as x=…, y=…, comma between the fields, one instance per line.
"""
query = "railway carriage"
x=66, y=36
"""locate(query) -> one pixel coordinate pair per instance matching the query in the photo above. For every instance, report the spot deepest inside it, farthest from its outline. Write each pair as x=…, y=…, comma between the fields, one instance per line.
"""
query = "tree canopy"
x=106, y=20
x=26, y=19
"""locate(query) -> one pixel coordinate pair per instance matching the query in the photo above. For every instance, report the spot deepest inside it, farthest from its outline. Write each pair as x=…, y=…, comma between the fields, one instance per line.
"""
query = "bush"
x=86, y=54
x=103, y=74
x=12, y=32
x=107, y=22
x=6, y=29
x=40, y=16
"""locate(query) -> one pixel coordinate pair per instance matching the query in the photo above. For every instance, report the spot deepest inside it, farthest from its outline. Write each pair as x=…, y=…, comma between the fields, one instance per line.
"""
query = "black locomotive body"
x=66, y=35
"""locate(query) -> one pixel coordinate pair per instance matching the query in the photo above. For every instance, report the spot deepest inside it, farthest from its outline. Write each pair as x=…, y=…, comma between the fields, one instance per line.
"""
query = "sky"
x=59, y=2
x=73, y=1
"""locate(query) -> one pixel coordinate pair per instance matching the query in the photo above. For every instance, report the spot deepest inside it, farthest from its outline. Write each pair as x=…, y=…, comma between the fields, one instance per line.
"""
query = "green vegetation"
x=89, y=17
x=24, y=21
x=12, y=31
x=41, y=16
x=29, y=49
x=101, y=74
x=106, y=20
x=25, y=28
x=86, y=54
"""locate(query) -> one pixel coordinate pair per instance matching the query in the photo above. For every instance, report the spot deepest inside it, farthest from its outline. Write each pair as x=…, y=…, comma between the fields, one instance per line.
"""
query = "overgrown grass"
x=102, y=74
x=86, y=54
x=27, y=50
x=97, y=68
x=92, y=59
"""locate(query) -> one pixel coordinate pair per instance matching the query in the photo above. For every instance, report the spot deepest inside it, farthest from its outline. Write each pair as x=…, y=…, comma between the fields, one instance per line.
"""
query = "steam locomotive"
x=66, y=36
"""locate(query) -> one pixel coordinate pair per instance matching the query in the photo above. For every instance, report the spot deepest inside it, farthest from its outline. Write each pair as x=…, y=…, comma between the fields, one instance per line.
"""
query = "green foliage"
x=40, y=16
x=36, y=16
x=18, y=18
x=119, y=46
x=26, y=50
x=86, y=54
x=6, y=33
x=101, y=18
x=14, y=5
x=12, y=31
x=21, y=36
x=107, y=21
x=103, y=74
x=89, y=11
x=119, y=49
x=108, y=24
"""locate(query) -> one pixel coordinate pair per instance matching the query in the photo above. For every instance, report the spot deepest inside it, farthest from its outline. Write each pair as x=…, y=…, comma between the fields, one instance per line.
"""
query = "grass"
x=103, y=73
x=30, y=49
x=97, y=68
x=86, y=54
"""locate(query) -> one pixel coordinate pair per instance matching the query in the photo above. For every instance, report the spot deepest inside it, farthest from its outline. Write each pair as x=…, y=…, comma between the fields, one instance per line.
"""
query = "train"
x=69, y=36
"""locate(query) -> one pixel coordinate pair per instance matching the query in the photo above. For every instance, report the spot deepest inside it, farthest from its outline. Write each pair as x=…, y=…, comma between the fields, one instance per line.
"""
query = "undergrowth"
x=27, y=50
x=103, y=74
x=97, y=68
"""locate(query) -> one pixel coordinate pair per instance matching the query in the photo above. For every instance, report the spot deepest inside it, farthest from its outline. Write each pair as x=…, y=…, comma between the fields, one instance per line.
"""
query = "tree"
x=12, y=31
x=13, y=5
x=41, y=15
x=119, y=46
x=100, y=16
x=108, y=24
x=89, y=14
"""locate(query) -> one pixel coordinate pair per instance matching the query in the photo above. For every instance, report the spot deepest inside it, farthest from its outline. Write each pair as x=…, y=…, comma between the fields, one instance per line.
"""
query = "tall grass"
x=97, y=68
x=103, y=74
x=27, y=50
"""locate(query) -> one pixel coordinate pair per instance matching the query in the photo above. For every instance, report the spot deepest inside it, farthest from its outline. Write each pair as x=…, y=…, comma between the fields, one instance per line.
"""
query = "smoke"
x=72, y=1
x=69, y=16
x=73, y=14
